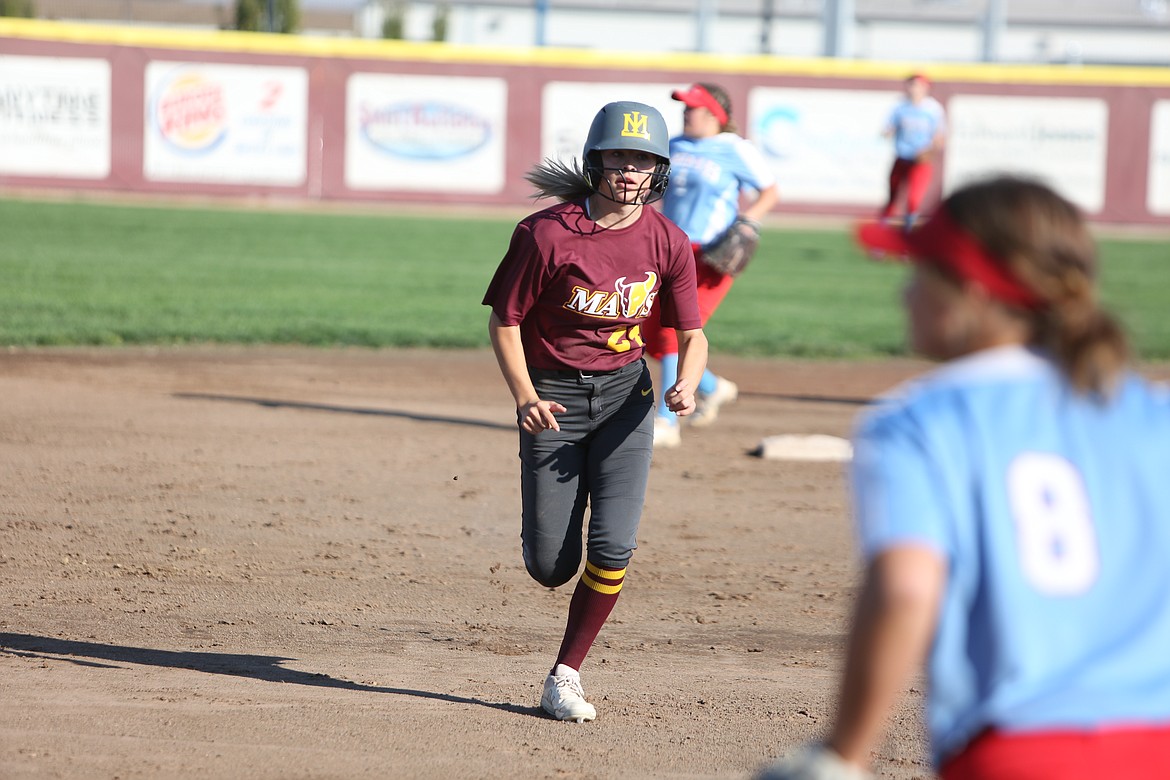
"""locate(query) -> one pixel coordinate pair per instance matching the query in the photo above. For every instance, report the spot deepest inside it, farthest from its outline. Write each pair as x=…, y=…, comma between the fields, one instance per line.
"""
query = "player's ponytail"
x=1046, y=245
x=554, y=178
x=1086, y=341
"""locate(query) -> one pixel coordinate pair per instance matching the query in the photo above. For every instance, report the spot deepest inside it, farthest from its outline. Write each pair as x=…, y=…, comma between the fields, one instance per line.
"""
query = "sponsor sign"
x=225, y=124
x=569, y=108
x=1158, y=189
x=55, y=117
x=825, y=146
x=425, y=133
x=1061, y=141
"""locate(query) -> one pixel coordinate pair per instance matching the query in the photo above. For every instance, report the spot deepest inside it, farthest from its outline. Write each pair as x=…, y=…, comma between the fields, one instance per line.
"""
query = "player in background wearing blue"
x=567, y=304
x=713, y=173
x=918, y=126
x=1013, y=510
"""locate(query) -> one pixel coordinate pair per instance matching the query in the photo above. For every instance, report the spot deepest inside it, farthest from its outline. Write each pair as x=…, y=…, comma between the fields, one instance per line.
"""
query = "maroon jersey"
x=579, y=292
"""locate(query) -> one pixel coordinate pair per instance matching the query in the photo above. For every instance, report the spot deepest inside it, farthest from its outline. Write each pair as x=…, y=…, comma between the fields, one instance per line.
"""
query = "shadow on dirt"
x=257, y=667
x=275, y=404
x=814, y=399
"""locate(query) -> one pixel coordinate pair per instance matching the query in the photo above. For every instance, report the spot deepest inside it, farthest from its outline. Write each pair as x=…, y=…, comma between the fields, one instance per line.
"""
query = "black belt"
x=579, y=373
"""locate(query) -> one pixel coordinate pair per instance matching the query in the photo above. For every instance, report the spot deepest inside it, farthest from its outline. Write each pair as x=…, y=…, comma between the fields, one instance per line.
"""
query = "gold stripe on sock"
x=593, y=576
x=609, y=574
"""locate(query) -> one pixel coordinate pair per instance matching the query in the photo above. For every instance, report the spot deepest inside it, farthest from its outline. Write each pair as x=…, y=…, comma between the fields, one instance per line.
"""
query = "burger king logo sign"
x=190, y=112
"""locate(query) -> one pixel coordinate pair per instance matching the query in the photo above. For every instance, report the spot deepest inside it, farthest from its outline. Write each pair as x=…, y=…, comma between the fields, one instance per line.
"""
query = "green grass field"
x=92, y=274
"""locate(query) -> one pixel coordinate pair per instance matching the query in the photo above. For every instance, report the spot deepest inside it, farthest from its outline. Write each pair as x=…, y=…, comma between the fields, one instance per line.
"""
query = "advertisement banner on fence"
x=425, y=133
x=1061, y=141
x=1158, y=189
x=55, y=117
x=225, y=124
x=826, y=146
x=569, y=108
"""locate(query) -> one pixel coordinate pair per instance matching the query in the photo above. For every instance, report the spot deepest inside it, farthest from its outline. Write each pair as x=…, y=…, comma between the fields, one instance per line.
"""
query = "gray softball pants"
x=600, y=459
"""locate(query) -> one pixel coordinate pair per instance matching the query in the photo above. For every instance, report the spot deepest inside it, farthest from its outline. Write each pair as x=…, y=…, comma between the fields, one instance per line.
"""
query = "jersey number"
x=1054, y=526
x=624, y=340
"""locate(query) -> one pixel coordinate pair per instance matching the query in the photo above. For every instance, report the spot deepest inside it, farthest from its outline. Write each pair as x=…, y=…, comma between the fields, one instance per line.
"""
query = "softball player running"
x=918, y=126
x=1013, y=509
x=568, y=301
x=711, y=167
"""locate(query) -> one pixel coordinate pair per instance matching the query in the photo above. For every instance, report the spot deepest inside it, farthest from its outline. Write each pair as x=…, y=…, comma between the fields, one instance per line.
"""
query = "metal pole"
x=541, y=21
x=993, y=23
x=838, y=19
x=704, y=17
x=271, y=16
x=769, y=13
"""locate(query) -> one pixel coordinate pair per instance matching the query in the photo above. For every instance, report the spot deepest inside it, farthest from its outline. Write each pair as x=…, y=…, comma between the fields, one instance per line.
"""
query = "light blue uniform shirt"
x=1053, y=515
x=706, y=178
x=915, y=126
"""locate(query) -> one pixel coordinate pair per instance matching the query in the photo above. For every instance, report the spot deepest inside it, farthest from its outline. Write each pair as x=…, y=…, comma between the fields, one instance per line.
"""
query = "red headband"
x=698, y=97
x=943, y=243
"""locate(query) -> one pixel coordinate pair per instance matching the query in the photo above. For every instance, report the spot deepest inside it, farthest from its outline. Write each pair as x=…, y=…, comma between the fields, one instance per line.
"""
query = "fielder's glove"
x=813, y=762
x=731, y=253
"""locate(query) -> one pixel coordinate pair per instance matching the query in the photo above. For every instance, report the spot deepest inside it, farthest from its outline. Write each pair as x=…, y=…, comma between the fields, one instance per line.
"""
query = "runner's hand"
x=540, y=416
x=680, y=398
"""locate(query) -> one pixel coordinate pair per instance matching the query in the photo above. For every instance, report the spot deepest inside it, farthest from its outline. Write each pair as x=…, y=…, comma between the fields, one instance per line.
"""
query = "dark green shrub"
x=252, y=15
x=23, y=9
x=441, y=23
x=394, y=25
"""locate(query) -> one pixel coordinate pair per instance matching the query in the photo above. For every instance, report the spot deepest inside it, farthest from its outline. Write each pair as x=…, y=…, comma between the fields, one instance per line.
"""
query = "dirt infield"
x=287, y=563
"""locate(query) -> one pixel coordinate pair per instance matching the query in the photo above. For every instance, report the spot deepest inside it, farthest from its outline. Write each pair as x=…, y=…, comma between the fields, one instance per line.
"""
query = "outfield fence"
x=152, y=111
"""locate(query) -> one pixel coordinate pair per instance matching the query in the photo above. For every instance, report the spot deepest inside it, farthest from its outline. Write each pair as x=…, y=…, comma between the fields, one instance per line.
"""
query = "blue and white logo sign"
x=425, y=133
x=778, y=131
x=825, y=146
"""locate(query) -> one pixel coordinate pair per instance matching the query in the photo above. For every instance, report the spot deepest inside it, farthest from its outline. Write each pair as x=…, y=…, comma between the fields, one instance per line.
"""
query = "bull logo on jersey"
x=634, y=125
x=636, y=296
x=627, y=299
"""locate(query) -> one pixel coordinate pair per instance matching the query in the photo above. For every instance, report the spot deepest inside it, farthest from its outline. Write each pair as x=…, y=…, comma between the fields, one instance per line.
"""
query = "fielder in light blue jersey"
x=918, y=127
x=1051, y=505
x=708, y=174
x=1013, y=510
x=720, y=187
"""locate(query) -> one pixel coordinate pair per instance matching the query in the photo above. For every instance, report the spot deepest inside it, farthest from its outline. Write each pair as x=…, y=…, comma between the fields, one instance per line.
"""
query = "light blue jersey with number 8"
x=1053, y=514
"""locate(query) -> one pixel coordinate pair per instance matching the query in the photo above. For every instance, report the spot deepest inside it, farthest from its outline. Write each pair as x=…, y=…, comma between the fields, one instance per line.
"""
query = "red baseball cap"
x=697, y=96
x=943, y=243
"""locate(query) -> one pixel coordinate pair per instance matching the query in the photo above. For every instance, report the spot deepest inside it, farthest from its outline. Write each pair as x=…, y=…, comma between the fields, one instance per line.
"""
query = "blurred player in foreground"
x=568, y=301
x=1013, y=510
x=918, y=126
x=712, y=168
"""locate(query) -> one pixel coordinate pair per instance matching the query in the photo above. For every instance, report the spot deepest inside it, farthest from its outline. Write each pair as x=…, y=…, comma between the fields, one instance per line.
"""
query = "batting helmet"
x=629, y=125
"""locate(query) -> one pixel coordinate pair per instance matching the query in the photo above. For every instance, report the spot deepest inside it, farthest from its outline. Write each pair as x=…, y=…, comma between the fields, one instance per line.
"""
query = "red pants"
x=712, y=288
x=914, y=177
x=1130, y=753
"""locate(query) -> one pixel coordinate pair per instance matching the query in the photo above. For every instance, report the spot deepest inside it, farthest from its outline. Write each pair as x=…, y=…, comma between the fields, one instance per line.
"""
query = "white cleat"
x=564, y=698
x=707, y=406
x=666, y=433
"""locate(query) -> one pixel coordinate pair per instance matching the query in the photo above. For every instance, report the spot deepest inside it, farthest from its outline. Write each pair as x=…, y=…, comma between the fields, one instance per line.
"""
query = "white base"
x=804, y=447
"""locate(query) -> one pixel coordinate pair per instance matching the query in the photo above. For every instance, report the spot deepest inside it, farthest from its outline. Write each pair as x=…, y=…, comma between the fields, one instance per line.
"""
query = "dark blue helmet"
x=629, y=125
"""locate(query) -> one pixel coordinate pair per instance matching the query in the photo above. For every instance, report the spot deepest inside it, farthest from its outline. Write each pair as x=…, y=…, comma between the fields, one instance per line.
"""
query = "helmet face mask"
x=650, y=190
x=631, y=126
